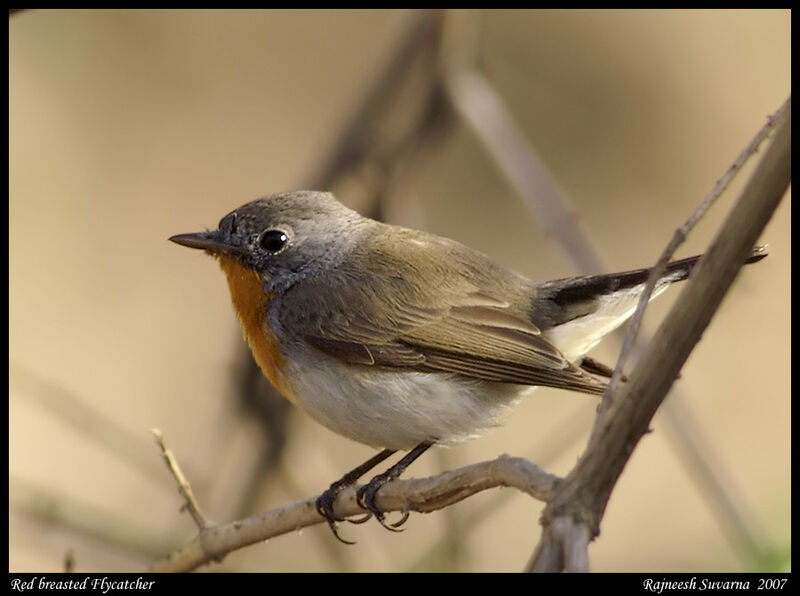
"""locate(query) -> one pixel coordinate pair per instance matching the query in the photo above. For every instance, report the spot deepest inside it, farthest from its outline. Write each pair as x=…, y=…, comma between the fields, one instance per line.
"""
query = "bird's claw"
x=365, y=497
x=324, y=506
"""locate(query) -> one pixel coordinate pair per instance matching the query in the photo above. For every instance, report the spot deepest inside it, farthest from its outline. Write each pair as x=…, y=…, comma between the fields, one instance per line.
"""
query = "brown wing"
x=448, y=325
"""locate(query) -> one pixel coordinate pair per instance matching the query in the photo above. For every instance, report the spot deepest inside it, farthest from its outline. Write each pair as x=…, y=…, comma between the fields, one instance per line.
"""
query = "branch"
x=421, y=495
x=584, y=494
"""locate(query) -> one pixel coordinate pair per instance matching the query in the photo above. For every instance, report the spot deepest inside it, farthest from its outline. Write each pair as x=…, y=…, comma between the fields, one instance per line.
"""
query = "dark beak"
x=212, y=242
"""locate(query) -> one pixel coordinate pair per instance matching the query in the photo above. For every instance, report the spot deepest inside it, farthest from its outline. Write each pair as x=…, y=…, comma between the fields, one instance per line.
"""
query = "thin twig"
x=184, y=488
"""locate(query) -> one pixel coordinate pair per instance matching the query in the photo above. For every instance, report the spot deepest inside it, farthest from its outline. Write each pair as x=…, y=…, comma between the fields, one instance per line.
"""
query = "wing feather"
x=455, y=326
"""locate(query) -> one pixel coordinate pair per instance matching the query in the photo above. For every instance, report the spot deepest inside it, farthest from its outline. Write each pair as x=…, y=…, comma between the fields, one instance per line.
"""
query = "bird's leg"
x=366, y=494
x=326, y=499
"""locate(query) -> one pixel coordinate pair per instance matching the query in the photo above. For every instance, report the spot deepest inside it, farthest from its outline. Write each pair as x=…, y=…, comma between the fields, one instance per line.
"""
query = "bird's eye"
x=273, y=241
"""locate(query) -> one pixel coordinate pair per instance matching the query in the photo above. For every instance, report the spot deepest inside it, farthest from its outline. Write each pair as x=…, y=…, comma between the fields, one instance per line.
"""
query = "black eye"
x=273, y=240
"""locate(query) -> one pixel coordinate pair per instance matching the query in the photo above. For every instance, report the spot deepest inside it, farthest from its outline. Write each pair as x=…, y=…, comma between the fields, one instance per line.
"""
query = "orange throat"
x=250, y=303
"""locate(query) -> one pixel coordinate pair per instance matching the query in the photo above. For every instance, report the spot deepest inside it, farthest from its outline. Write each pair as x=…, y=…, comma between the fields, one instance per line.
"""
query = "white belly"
x=399, y=410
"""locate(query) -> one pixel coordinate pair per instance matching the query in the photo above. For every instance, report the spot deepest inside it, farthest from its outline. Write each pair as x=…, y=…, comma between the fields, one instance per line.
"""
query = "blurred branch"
x=261, y=403
x=422, y=495
x=69, y=561
x=582, y=498
x=57, y=508
x=481, y=107
x=365, y=137
x=72, y=409
x=689, y=443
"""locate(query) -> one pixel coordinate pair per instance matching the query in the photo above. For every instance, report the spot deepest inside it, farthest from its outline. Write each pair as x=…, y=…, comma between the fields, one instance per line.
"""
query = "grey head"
x=284, y=236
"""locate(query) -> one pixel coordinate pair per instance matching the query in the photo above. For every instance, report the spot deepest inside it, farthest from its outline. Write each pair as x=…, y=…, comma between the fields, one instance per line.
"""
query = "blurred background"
x=127, y=127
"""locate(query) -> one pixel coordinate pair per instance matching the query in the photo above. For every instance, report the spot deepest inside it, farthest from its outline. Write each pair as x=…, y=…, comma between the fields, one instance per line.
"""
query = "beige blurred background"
x=129, y=126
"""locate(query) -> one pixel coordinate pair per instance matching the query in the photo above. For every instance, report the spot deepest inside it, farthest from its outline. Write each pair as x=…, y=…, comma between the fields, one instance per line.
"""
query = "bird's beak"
x=212, y=242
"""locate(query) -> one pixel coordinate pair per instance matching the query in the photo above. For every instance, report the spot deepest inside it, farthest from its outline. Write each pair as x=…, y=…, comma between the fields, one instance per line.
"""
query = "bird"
x=401, y=339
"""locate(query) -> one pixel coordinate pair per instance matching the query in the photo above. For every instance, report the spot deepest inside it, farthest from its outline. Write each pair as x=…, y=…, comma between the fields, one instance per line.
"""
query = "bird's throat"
x=250, y=302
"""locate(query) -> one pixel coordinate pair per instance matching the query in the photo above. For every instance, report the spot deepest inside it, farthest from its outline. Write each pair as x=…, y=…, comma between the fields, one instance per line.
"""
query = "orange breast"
x=250, y=303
